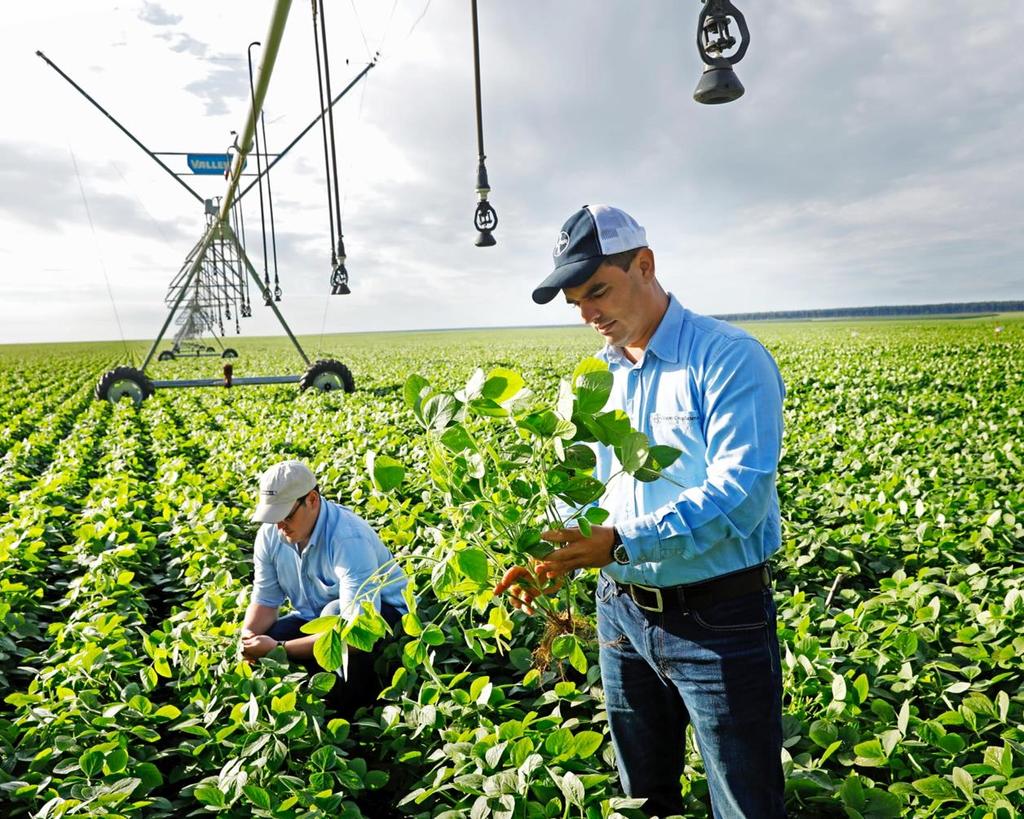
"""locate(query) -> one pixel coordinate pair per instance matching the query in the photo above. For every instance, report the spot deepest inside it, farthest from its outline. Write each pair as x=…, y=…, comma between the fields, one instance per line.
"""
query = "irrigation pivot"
x=214, y=281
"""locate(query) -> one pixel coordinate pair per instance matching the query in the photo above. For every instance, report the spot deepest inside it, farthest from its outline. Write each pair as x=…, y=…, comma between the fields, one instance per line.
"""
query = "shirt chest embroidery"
x=674, y=418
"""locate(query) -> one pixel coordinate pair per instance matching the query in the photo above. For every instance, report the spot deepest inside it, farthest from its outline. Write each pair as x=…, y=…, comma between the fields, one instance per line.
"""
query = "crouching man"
x=323, y=559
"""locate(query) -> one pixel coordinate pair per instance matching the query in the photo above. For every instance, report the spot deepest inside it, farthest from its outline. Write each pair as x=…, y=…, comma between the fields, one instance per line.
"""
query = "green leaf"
x=488, y=408
x=573, y=789
x=586, y=743
x=210, y=795
x=563, y=645
x=588, y=365
x=581, y=489
x=545, y=424
x=951, y=743
x=457, y=439
x=592, y=391
x=558, y=741
x=363, y=631
x=433, y=636
x=566, y=400
x=411, y=624
x=376, y=779
x=91, y=762
x=322, y=682
x=852, y=792
x=609, y=427
x=823, y=732
x=412, y=392
x=1003, y=704
x=632, y=451
x=259, y=797
x=659, y=457
x=529, y=542
x=473, y=386
x=578, y=660
x=502, y=384
x=903, y=718
x=882, y=804
x=579, y=456
x=473, y=564
x=963, y=781
x=116, y=760
x=869, y=753
x=149, y=775
x=387, y=472
x=319, y=625
x=935, y=787
x=838, y=688
x=860, y=685
x=439, y=410
x=327, y=650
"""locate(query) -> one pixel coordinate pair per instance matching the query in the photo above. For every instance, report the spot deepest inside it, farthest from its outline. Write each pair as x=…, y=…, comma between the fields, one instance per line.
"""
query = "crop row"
x=899, y=589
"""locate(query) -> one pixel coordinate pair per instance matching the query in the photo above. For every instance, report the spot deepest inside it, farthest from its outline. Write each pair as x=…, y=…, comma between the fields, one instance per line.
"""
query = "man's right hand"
x=523, y=588
x=244, y=638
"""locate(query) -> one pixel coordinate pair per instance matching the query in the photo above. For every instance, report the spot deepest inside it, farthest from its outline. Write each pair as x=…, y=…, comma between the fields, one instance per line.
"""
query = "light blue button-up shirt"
x=713, y=391
x=343, y=564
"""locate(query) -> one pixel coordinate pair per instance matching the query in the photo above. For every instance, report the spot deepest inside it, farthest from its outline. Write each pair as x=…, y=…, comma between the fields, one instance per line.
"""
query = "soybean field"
x=126, y=564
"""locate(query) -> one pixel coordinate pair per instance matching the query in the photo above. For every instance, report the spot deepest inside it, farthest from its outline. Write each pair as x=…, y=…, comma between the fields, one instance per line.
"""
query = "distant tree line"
x=958, y=308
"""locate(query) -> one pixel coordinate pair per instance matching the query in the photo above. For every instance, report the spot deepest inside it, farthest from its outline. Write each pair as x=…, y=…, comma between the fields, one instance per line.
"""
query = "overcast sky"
x=875, y=158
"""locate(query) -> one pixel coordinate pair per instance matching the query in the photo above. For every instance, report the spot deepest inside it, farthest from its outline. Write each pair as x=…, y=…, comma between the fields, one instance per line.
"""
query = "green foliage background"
x=125, y=561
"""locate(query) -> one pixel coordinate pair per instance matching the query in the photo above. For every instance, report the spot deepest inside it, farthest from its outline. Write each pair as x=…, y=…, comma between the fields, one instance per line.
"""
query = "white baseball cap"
x=280, y=487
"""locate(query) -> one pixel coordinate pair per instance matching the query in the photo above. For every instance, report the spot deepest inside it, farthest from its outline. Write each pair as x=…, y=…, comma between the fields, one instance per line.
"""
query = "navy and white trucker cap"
x=590, y=234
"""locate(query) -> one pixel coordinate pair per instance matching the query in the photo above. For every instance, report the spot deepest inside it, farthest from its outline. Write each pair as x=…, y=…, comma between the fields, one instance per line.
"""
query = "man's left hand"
x=259, y=645
x=580, y=552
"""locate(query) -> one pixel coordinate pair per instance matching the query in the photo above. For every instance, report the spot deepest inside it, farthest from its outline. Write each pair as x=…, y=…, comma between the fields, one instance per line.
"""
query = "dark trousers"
x=716, y=668
x=362, y=685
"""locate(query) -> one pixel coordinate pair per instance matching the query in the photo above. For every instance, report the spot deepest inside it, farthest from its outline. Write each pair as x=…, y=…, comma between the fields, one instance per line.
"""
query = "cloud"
x=156, y=15
x=874, y=158
x=184, y=44
x=55, y=199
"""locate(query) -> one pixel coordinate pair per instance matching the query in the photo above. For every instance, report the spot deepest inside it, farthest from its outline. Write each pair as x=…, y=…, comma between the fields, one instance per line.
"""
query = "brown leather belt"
x=698, y=595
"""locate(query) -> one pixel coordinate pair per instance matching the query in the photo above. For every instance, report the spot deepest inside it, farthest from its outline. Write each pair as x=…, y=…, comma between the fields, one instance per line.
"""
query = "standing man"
x=323, y=559
x=685, y=615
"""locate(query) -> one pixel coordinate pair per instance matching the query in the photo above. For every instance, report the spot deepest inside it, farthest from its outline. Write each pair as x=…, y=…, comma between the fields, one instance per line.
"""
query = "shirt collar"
x=665, y=341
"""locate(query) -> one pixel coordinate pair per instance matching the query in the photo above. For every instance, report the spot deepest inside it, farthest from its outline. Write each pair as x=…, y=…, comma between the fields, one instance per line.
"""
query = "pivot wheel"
x=229, y=352
x=124, y=382
x=165, y=355
x=327, y=375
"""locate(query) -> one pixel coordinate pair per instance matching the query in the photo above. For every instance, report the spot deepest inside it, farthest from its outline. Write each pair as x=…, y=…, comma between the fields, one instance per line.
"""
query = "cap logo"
x=268, y=492
x=561, y=243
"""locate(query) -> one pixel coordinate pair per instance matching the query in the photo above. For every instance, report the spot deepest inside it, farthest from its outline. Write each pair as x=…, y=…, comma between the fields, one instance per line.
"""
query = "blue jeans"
x=716, y=668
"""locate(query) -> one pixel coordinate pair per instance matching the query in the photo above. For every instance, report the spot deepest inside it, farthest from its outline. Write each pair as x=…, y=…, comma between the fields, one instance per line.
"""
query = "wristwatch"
x=619, y=553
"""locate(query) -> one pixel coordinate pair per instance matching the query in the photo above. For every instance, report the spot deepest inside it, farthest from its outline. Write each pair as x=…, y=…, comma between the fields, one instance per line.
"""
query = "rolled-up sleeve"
x=742, y=412
x=266, y=590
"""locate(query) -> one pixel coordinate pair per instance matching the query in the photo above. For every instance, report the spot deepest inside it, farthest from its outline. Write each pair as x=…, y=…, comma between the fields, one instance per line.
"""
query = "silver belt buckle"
x=658, y=607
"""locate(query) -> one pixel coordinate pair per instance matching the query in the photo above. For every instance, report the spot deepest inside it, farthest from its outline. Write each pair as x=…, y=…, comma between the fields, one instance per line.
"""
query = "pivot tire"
x=229, y=352
x=327, y=375
x=124, y=382
x=165, y=355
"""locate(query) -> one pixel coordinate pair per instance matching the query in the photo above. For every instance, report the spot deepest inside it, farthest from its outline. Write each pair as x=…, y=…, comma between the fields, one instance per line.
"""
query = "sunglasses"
x=299, y=503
